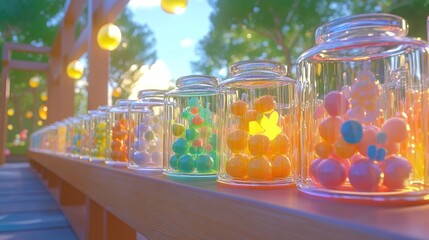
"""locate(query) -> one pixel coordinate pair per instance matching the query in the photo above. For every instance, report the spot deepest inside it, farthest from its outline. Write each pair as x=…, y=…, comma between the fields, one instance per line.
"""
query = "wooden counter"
x=159, y=207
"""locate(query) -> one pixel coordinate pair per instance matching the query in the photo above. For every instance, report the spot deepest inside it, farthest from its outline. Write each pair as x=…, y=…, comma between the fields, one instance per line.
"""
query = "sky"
x=176, y=39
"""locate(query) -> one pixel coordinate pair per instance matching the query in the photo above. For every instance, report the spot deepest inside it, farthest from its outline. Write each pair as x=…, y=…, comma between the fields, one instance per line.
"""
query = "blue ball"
x=352, y=131
x=174, y=160
x=381, y=154
x=191, y=134
x=180, y=146
x=186, y=163
x=372, y=152
x=204, y=163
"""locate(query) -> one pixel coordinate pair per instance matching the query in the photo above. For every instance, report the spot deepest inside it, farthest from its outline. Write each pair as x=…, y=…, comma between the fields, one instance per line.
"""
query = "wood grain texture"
x=163, y=208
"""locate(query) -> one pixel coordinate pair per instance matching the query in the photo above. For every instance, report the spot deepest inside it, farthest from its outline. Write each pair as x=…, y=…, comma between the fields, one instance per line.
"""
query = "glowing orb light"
x=75, y=69
x=109, y=37
x=29, y=114
x=43, y=112
x=34, y=82
x=10, y=112
x=117, y=92
x=44, y=96
x=39, y=123
x=10, y=127
x=174, y=6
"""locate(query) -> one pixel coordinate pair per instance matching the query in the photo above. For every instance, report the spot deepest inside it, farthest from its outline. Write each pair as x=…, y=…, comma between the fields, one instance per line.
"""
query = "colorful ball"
x=140, y=129
x=149, y=135
x=280, y=144
x=237, y=141
x=396, y=129
x=191, y=134
x=186, y=163
x=343, y=149
x=197, y=120
x=323, y=149
x=369, y=138
x=196, y=150
x=140, y=145
x=204, y=163
x=329, y=129
x=365, y=175
x=186, y=114
x=180, y=146
x=178, y=129
x=352, y=131
x=281, y=166
x=205, y=131
x=239, y=108
x=259, y=168
x=396, y=171
x=174, y=160
x=313, y=168
x=331, y=173
x=194, y=102
x=236, y=166
x=264, y=104
x=206, y=114
x=259, y=145
x=336, y=104
x=156, y=157
x=141, y=158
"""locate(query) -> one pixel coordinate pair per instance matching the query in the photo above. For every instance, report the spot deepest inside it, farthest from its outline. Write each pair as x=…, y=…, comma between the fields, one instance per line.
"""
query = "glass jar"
x=146, y=149
x=120, y=130
x=98, y=130
x=75, y=136
x=364, y=111
x=61, y=137
x=192, y=123
x=85, y=138
x=258, y=113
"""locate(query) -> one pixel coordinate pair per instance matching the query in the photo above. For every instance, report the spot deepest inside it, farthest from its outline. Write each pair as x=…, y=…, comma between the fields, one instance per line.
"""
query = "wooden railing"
x=110, y=203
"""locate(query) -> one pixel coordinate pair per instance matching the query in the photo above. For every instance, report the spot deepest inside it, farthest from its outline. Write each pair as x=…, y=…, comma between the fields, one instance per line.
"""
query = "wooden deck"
x=27, y=209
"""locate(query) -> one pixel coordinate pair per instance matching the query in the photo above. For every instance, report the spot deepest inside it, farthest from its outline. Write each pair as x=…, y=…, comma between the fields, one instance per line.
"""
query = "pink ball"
x=356, y=157
x=331, y=173
x=318, y=112
x=365, y=175
x=396, y=129
x=336, y=103
x=313, y=167
x=396, y=170
x=369, y=138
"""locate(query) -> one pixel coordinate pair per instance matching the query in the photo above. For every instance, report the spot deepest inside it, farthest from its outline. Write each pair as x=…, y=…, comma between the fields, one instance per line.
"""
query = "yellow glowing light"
x=75, y=69
x=10, y=127
x=109, y=37
x=255, y=128
x=43, y=112
x=266, y=125
x=39, y=123
x=174, y=6
x=10, y=112
x=249, y=35
x=28, y=114
x=117, y=92
x=44, y=96
x=34, y=82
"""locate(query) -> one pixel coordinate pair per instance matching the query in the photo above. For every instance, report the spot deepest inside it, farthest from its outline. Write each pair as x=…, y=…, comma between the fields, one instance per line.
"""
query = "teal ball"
x=204, y=163
x=186, y=163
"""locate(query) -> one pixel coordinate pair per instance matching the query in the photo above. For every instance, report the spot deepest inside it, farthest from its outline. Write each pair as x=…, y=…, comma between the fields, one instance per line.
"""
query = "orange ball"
x=265, y=104
x=280, y=144
x=259, y=145
x=194, y=110
x=116, y=145
x=396, y=129
x=281, y=166
x=236, y=166
x=343, y=149
x=239, y=108
x=330, y=128
x=122, y=135
x=369, y=138
x=197, y=120
x=259, y=168
x=247, y=117
x=237, y=141
x=323, y=149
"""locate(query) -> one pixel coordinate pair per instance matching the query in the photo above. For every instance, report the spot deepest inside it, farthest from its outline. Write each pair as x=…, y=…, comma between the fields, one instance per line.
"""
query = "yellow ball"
x=44, y=96
x=28, y=114
x=75, y=69
x=39, y=123
x=34, y=82
x=10, y=112
x=10, y=127
x=109, y=37
x=43, y=112
x=174, y=6
x=117, y=92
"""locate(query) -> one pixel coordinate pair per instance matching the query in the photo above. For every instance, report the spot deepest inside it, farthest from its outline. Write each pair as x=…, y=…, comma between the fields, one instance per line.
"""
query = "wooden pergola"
x=60, y=87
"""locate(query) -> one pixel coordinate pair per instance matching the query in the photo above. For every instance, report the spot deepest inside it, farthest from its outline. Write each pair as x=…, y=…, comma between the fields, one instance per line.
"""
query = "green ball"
x=191, y=134
x=174, y=160
x=186, y=163
x=196, y=150
x=180, y=146
x=206, y=114
x=178, y=129
x=149, y=135
x=186, y=114
x=204, y=163
x=194, y=102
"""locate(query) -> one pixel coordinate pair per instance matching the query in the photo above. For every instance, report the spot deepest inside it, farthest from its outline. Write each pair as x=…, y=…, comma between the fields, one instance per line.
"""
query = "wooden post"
x=3, y=106
x=117, y=229
x=96, y=220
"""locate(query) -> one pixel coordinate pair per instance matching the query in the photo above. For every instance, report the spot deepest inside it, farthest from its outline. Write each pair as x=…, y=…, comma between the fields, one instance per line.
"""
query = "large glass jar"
x=85, y=136
x=98, y=126
x=258, y=114
x=146, y=149
x=120, y=130
x=364, y=111
x=192, y=124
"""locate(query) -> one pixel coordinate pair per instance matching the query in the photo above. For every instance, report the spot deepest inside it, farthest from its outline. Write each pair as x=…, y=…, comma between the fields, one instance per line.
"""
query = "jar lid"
x=195, y=85
x=123, y=102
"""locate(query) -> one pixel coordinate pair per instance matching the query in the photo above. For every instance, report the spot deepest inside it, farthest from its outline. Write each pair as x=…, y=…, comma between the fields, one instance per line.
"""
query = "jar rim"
x=123, y=102
x=374, y=24
x=257, y=64
x=160, y=93
x=197, y=81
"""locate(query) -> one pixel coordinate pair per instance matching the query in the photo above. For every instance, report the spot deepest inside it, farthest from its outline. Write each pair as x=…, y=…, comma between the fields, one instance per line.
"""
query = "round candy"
x=116, y=145
x=237, y=141
x=259, y=145
x=197, y=120
x=239, y=108
x=191, y=134
x=396, y=129
x=149, y=135
x=205, y=131
x=206, y=114
x=281, y=166
x=204, y=163
x=280, y=144
x=331, y=173
x=343, y=149
x=396, y=171
x=391, y=148
x=313, y=168
x=156, y=157
x=265, y=103
x=186, y=114
x=259, y=168
x=352, y=131
x=369, y=138
x=365, y=175
x=186, y=163
x=174, y=160
x=121, y=135
x=372, y=152
x=336, y=104
x=141, y=158
x=318, y=112
x=329, y=129
x=197, y=142
x=196, y=150
x=140, y=129
x=180, y=146
x=193, y=102
x=194, y=110
x=139, y=145
x=236, y=166
x=178, y=129
x=323, y=149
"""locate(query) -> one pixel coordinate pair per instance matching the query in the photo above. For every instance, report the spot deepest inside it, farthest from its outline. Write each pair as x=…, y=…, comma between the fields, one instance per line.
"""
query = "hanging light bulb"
x=75, y=69
x=174, y=6
x=44, y=96
x=10, y=112
x=43, y=112
x=117, y=92
x=39, y=123
x=10, y=127
x=29, y=114
x=109, y=37
x=34, y=82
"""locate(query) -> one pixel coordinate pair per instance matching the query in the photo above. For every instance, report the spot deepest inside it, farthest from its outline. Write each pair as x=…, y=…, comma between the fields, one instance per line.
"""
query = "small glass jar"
x=119, y=132
x=146, y=149
x=258, y=113
x=61, y=137
x=52, y=142
x=98, y=131
x=364, y=111
x=85, y=138
x=192, y=123
x=76, y=136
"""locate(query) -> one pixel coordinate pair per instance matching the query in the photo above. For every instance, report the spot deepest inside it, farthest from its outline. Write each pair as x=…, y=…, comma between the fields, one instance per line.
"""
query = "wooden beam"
x=5, y=89
x=74, y=9
x=80, y=45
x=26, y=48
x=29, y=66
x=110, y=11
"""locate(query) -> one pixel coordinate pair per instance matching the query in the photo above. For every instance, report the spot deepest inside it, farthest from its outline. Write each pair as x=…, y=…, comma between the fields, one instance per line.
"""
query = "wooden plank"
x=74, y=9
x=80, y=46
x=117, y=229
x=28, y=66
x=163, y=208
x=95, y=215
x=26, y=48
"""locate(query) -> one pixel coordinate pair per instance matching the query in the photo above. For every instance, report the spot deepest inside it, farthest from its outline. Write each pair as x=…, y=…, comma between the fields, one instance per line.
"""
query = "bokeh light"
x=75, y=69
x=109, y=37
